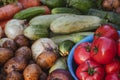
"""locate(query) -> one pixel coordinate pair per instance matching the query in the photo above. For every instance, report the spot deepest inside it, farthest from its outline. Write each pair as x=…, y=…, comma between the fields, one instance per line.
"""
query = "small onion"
x=44, y=52
x=14, y=28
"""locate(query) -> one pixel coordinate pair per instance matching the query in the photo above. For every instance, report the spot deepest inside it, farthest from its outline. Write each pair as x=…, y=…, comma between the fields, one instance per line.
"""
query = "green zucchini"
x=65, y=47
x=75, y=37
x=54, y=3
x=75, y=23
x=36, y=32
x=30, y=13
x=64, y=10
x=45, y=20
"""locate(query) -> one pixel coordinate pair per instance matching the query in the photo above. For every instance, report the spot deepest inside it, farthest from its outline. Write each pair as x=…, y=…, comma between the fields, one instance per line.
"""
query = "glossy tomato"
x=82, y=52
x=103, y=50
x=106, y=30
x=118, y=47
x=113, y=76
x=113, y=67
x=90, y=70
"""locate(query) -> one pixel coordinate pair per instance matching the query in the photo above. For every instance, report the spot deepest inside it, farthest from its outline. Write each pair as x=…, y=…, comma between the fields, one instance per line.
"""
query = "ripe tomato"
x=82, y=52
x=113, y=76
x=118, y=47
x=103, y=50
x=113, y=66
x=90, y=70
x=107, y=31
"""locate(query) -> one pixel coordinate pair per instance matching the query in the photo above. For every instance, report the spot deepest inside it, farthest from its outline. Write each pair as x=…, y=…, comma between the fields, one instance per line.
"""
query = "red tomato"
x=103, y=50
x=82, y=52
x=90, y=70
x=113, y=76
x=107, y=31
x=113, y=67
x=119, y=47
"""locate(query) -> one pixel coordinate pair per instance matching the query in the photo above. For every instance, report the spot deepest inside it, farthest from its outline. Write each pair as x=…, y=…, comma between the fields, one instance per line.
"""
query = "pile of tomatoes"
x=99, y=60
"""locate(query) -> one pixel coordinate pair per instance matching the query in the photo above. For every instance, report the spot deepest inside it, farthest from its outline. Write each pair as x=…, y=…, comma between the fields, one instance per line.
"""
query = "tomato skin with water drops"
x=103, y=50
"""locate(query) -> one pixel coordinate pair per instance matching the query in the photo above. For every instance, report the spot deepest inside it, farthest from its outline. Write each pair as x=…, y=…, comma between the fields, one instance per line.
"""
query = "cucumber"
x=36, y=32
x=65, y=47
x=111, y=17
x=46, y=20
x=30, y=13
x=75, y=23
x=64, y=10
x=75, y=37
x=54, y=3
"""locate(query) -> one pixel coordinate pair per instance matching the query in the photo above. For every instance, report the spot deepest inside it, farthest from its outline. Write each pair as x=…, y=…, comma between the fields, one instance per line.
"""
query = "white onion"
x=14, y=28
x=41, y=45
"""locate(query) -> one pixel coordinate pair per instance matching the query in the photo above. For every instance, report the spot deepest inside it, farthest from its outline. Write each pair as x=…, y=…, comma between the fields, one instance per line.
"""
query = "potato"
x=46, y=59
x=32, y=72
x=25, y=52
x=21, y=40
x=110, y=4
x=17, y=63
x=5, y=54
x=14, y=75
x=10, y=44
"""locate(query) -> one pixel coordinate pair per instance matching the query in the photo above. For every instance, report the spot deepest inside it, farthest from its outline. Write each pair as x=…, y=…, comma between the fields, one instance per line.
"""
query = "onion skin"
x=59, y=74
x=14, y=28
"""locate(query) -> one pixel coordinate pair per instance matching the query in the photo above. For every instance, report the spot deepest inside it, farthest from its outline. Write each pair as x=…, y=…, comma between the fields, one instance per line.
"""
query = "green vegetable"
x=65, y=10
x=82, y=5
x=75, y=37
x=30, y=13
x=75, y=23
x=65, y=47
x=111, y=17
x=45, y=20
x=59, y=64
x=54, y=3
x=36, y=32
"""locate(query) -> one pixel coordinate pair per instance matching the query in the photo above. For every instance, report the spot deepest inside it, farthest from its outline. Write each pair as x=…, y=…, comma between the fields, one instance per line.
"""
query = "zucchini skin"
x=65, y=10
x=46, y=20
x=35, y=32
x=30, y=13
x=75, y=23
x=75, y=37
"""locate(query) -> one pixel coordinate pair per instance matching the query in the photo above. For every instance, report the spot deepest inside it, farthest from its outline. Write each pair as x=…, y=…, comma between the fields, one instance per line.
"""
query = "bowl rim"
x=88, y=38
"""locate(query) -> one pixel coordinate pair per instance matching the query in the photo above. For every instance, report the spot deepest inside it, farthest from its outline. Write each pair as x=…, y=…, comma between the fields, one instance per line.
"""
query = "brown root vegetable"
x=110, y=4
x=17, y=63
x=44, y=52
x=32, y=72
x=46, y=59
x=14, y=75
x=24, y=52
x=59, y=74
x=118, y=10
x=8, y=43
x=21, y=40
x=5, y=55
x=2, y=77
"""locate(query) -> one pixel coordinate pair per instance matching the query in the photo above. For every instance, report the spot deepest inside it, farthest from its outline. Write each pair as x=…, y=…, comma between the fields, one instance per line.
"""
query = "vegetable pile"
x=99, y=60
x=36, y=37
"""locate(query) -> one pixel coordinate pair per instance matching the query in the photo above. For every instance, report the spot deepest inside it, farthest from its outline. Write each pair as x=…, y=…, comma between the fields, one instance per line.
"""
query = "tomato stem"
x=88, y=48
x=95, y=49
